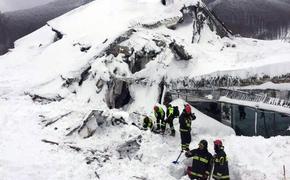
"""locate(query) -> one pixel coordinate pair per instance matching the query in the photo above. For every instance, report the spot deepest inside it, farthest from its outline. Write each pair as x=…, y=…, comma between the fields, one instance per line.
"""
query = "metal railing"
x=217, y=93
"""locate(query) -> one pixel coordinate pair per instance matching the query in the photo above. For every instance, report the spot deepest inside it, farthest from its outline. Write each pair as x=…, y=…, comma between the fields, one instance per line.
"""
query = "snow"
x=38, y=65
x=113, y=15
x=268, y=85
x=23, y=156
x=142, y=103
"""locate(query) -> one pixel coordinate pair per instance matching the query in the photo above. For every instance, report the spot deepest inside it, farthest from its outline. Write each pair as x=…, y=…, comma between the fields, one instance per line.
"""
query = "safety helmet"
x=146, y=119
x=204, y=143
x=218, y=145
x=156, y=108
x=218, y=142
x=187, y=109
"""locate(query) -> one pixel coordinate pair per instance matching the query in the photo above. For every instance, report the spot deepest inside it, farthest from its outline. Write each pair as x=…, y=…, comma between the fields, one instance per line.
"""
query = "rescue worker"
x=201, y=162
x=170, y=117
x=160, y=115
x=221, y=169
x=147, y=123
x=185, y=127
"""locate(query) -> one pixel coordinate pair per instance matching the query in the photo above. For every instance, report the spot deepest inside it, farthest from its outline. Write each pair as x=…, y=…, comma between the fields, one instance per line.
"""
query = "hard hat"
x=218, y=142
x=187, y=109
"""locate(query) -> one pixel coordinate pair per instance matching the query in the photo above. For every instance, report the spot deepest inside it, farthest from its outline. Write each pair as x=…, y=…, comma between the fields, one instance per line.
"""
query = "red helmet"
x=187, y=109
x=218, y=142
x=155, y=108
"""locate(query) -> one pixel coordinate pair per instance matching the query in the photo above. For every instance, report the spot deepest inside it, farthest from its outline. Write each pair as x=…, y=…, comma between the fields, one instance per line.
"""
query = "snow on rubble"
x=55, y=122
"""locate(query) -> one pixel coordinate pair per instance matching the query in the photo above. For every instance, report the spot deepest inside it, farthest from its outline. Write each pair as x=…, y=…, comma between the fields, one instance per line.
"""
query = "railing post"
x=256, y=119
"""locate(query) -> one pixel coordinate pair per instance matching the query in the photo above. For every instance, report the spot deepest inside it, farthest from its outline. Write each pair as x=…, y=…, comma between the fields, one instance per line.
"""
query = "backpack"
x=175, y=111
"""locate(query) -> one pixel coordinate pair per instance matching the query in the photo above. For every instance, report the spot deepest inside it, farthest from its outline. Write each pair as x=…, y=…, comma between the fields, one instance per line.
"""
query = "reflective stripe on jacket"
x=221, y=169
x=159, y=114
x=170, y=111
x=185, y=122
x=201, y=162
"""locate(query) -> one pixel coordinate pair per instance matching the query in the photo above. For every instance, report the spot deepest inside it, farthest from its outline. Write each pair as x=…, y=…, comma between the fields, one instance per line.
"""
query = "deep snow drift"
x=72, y=71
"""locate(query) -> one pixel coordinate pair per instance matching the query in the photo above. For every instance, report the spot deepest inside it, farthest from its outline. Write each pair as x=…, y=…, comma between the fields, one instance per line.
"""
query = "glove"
x=193, y=116
x=187, y=153
x=205, y=176
x=215, y=156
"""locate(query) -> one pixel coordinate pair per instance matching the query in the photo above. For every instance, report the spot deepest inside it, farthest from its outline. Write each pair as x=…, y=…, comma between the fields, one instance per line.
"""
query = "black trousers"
x=185, y=140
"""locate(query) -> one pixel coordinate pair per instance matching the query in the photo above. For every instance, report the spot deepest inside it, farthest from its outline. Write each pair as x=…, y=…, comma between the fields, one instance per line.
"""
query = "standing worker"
x=221, y=168
x=201, y=162
x=160, y=115
x=185, y=127
x=170, y=114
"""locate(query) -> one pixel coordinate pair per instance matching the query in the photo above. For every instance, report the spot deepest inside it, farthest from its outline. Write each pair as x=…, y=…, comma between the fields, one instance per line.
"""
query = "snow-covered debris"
x=119, y=56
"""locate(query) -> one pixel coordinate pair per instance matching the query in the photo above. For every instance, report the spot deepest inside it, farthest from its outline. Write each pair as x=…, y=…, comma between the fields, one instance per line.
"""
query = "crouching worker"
x=221, y=169
x=201, y=162
x=159, y=115
x=147, y=123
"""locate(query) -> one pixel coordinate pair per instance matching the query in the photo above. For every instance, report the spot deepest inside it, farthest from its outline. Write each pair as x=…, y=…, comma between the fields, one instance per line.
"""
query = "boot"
x=158, y=127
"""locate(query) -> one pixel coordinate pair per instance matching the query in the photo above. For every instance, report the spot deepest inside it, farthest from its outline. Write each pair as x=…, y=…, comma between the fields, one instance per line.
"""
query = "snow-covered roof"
x=269, y=85
x=258, y=105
